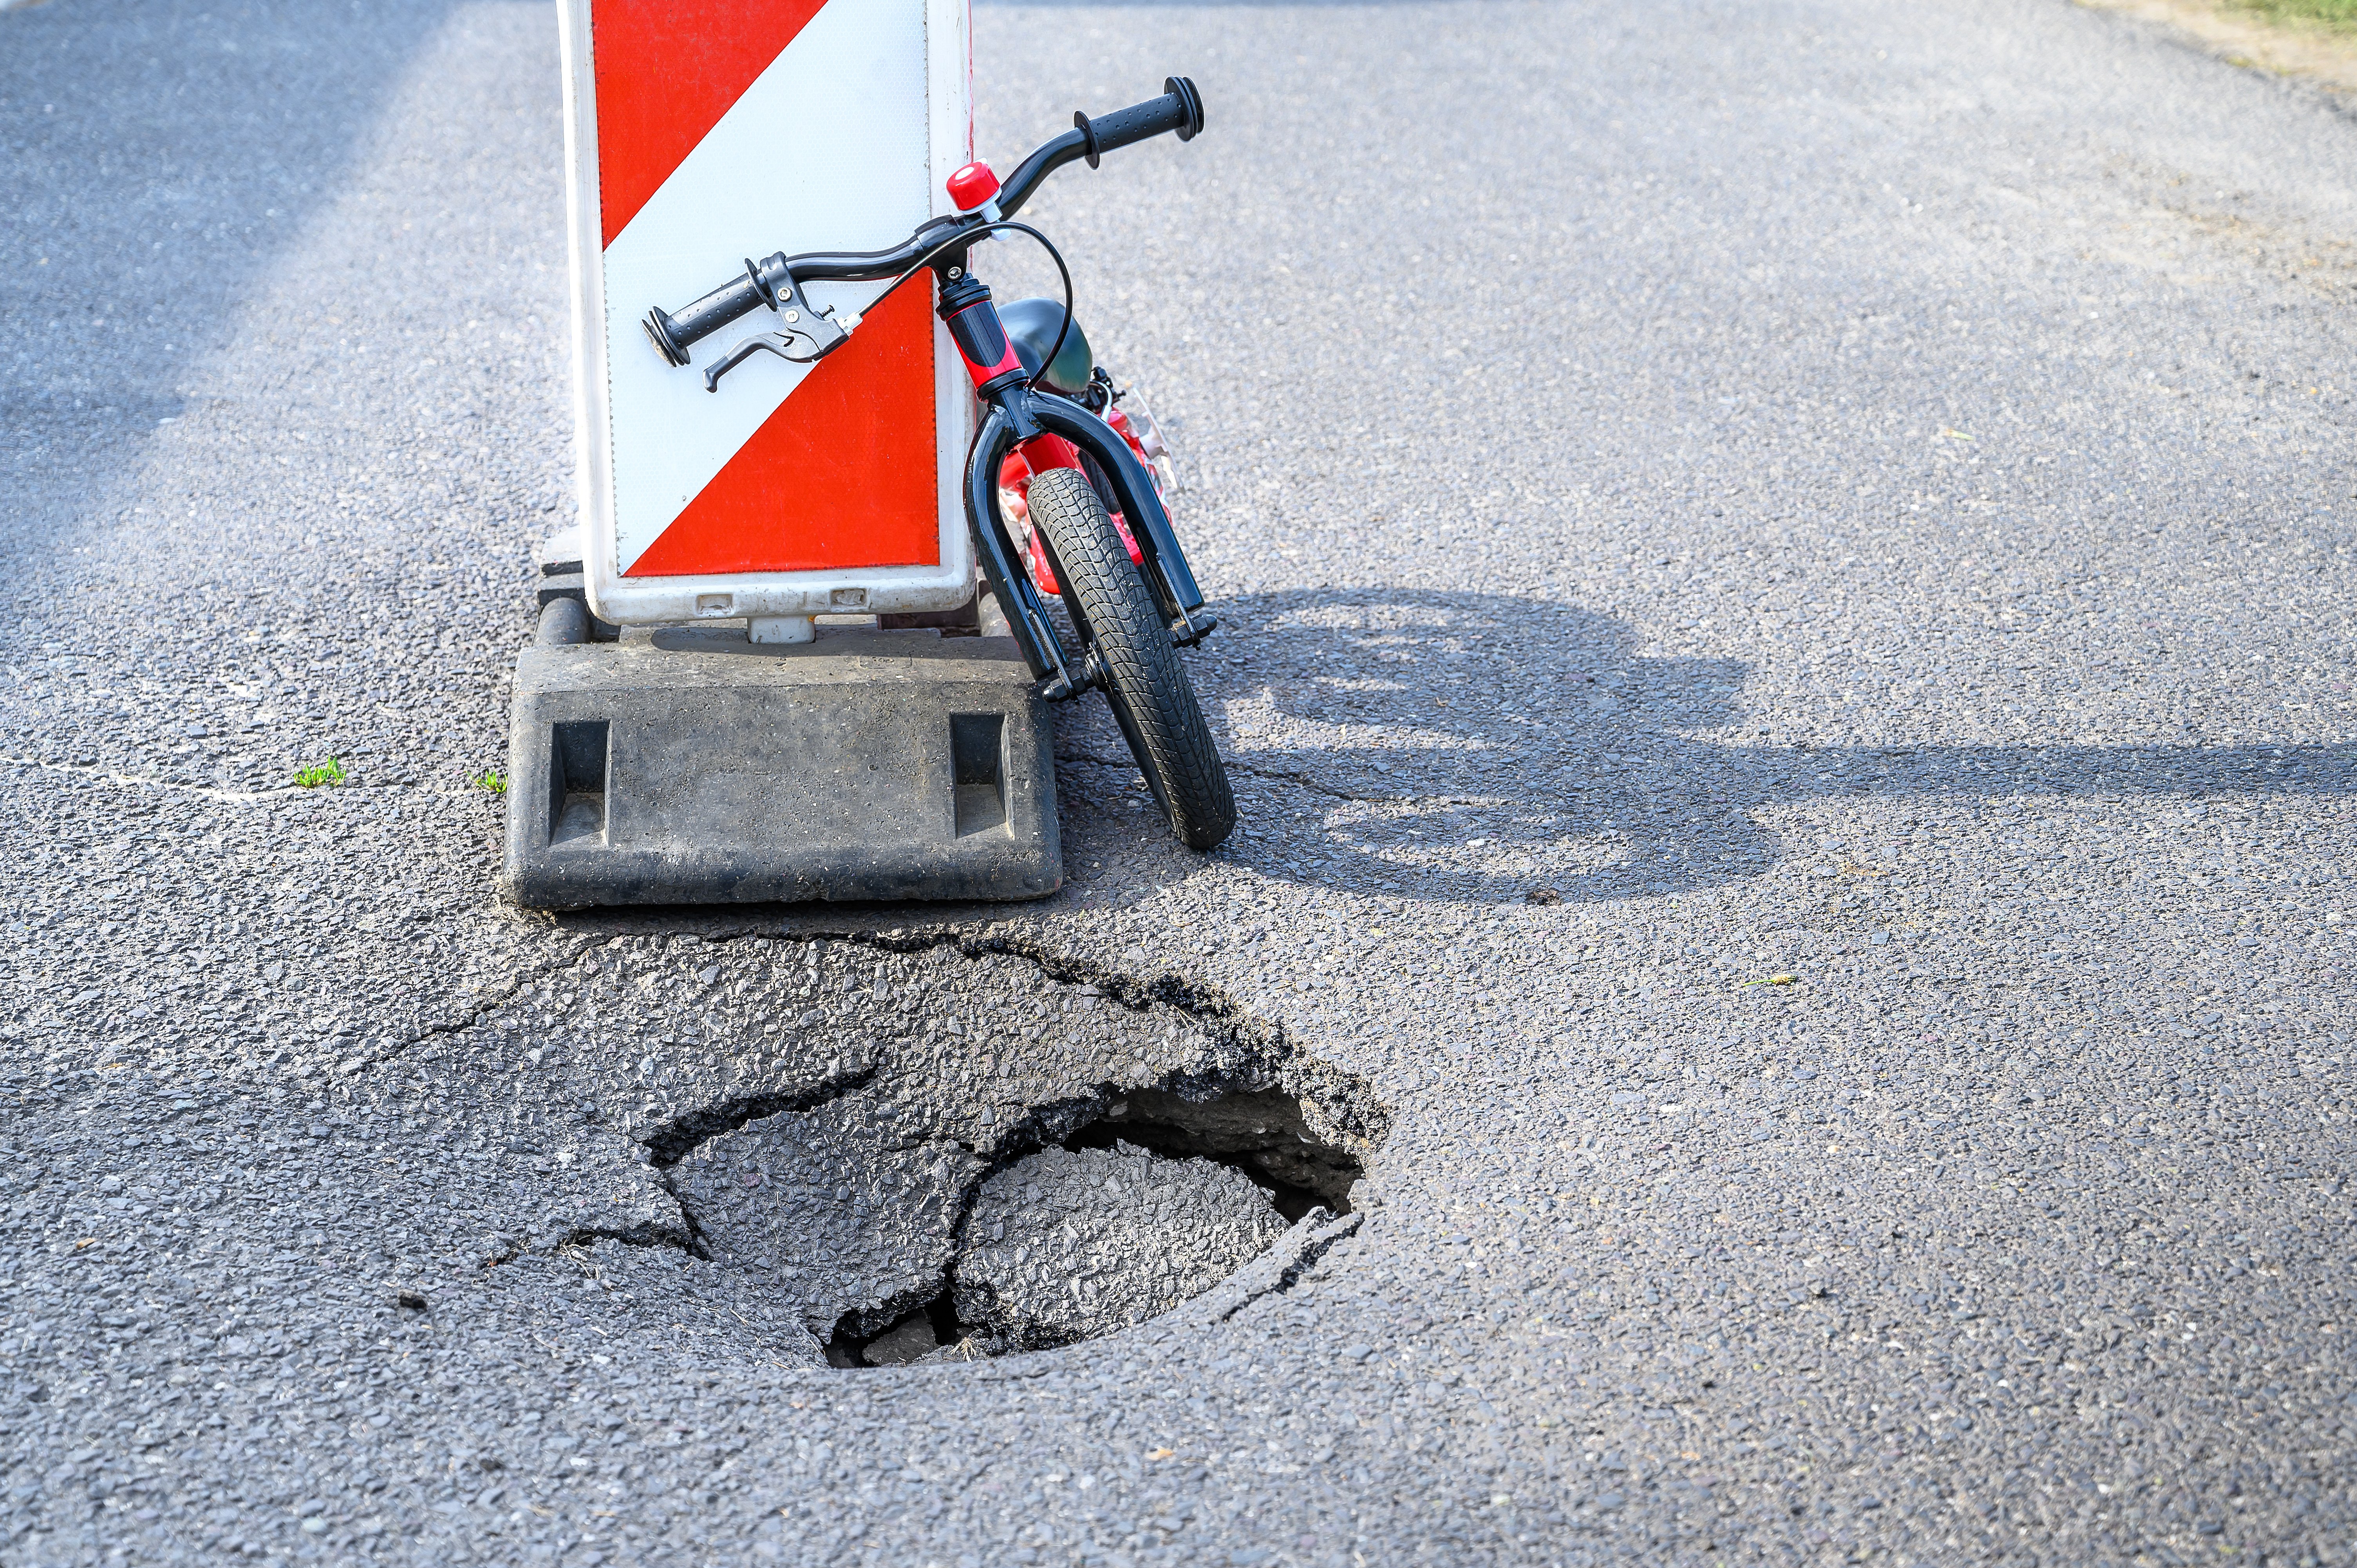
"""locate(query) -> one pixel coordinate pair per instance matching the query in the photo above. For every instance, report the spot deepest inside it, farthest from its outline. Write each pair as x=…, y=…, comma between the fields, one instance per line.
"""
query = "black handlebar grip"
x=1179, y=109
x=674, y=333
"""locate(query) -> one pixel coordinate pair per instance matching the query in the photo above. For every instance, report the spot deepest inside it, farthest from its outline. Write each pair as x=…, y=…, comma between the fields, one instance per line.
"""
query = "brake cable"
x=967, y=237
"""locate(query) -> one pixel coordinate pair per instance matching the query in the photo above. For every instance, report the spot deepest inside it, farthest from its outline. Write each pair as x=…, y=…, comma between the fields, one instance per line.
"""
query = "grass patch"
x=493, y=779
x=2341, y=16
x=330, y=773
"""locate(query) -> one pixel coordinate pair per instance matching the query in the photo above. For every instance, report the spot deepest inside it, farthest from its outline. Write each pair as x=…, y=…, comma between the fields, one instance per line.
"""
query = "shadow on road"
x=1475, y=745
x=162, y=154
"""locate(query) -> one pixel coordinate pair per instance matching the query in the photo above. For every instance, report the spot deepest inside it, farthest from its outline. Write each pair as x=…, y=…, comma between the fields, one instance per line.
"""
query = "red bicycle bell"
x=972, y=186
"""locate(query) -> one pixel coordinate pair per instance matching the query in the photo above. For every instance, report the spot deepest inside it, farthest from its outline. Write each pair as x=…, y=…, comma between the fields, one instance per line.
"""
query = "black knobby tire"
x=1152, y=699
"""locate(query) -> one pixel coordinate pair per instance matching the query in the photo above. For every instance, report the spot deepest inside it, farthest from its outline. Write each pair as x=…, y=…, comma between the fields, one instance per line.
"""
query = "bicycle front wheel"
x=1152, y=699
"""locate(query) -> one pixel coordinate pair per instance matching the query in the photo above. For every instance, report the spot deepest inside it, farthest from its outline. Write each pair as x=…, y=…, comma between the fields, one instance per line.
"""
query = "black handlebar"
x=1179, y=109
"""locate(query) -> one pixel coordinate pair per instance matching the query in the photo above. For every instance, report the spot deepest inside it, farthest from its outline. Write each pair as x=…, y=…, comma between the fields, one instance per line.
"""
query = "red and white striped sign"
x=705, y=131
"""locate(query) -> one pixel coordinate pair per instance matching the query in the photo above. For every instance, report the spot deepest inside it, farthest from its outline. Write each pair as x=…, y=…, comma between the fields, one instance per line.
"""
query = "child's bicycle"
x=1055, y=449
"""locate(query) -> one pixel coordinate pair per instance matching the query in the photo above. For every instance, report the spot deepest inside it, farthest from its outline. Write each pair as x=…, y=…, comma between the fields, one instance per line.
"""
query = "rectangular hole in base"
x=978, y=747
x=576, y=782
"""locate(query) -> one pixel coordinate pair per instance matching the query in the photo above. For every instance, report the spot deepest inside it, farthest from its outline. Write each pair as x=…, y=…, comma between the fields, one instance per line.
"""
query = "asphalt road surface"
x=1860, y=493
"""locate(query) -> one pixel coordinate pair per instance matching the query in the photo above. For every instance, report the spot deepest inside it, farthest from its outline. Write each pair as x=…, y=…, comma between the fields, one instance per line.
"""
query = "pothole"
x=935, y=1148
x=951, y=1259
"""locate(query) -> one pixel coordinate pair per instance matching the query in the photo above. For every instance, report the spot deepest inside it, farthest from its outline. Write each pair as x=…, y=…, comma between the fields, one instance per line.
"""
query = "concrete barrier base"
x=695, y=766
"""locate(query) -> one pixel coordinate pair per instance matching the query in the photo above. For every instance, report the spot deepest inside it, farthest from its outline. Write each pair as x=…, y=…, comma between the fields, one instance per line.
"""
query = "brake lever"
x=806, y=336
x=803, y=347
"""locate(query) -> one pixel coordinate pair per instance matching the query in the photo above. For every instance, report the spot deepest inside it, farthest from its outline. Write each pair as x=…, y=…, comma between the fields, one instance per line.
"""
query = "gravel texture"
x=1069, y=1244
x=1790, y=488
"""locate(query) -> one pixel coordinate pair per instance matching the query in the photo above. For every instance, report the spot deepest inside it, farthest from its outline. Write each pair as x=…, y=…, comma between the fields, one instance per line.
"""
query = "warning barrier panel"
x=701, y=132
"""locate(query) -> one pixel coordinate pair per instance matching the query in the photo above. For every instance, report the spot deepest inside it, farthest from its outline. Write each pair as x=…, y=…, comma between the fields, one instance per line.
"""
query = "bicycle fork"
x=1019, y=412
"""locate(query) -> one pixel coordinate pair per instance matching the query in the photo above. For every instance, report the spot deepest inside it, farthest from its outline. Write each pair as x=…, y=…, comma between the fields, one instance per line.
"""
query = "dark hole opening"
x=1262, y=1135
x=900, y=1342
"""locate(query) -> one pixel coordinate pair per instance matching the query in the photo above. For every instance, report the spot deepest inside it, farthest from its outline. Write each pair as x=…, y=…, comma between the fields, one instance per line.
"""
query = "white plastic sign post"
x=701, y=134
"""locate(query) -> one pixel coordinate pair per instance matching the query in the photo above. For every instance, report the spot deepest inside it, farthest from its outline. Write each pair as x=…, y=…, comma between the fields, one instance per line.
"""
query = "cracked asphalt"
x=1787, y=576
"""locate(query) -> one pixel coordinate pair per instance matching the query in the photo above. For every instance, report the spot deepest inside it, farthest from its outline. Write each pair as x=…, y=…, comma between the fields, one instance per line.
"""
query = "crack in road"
x=1226, y=1021
x=1317, y=786
x=483, y=1010
x=233, y=797
x=685, y=1132
x=960, y=1055
x=1318, y=1239
x=207, y=791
